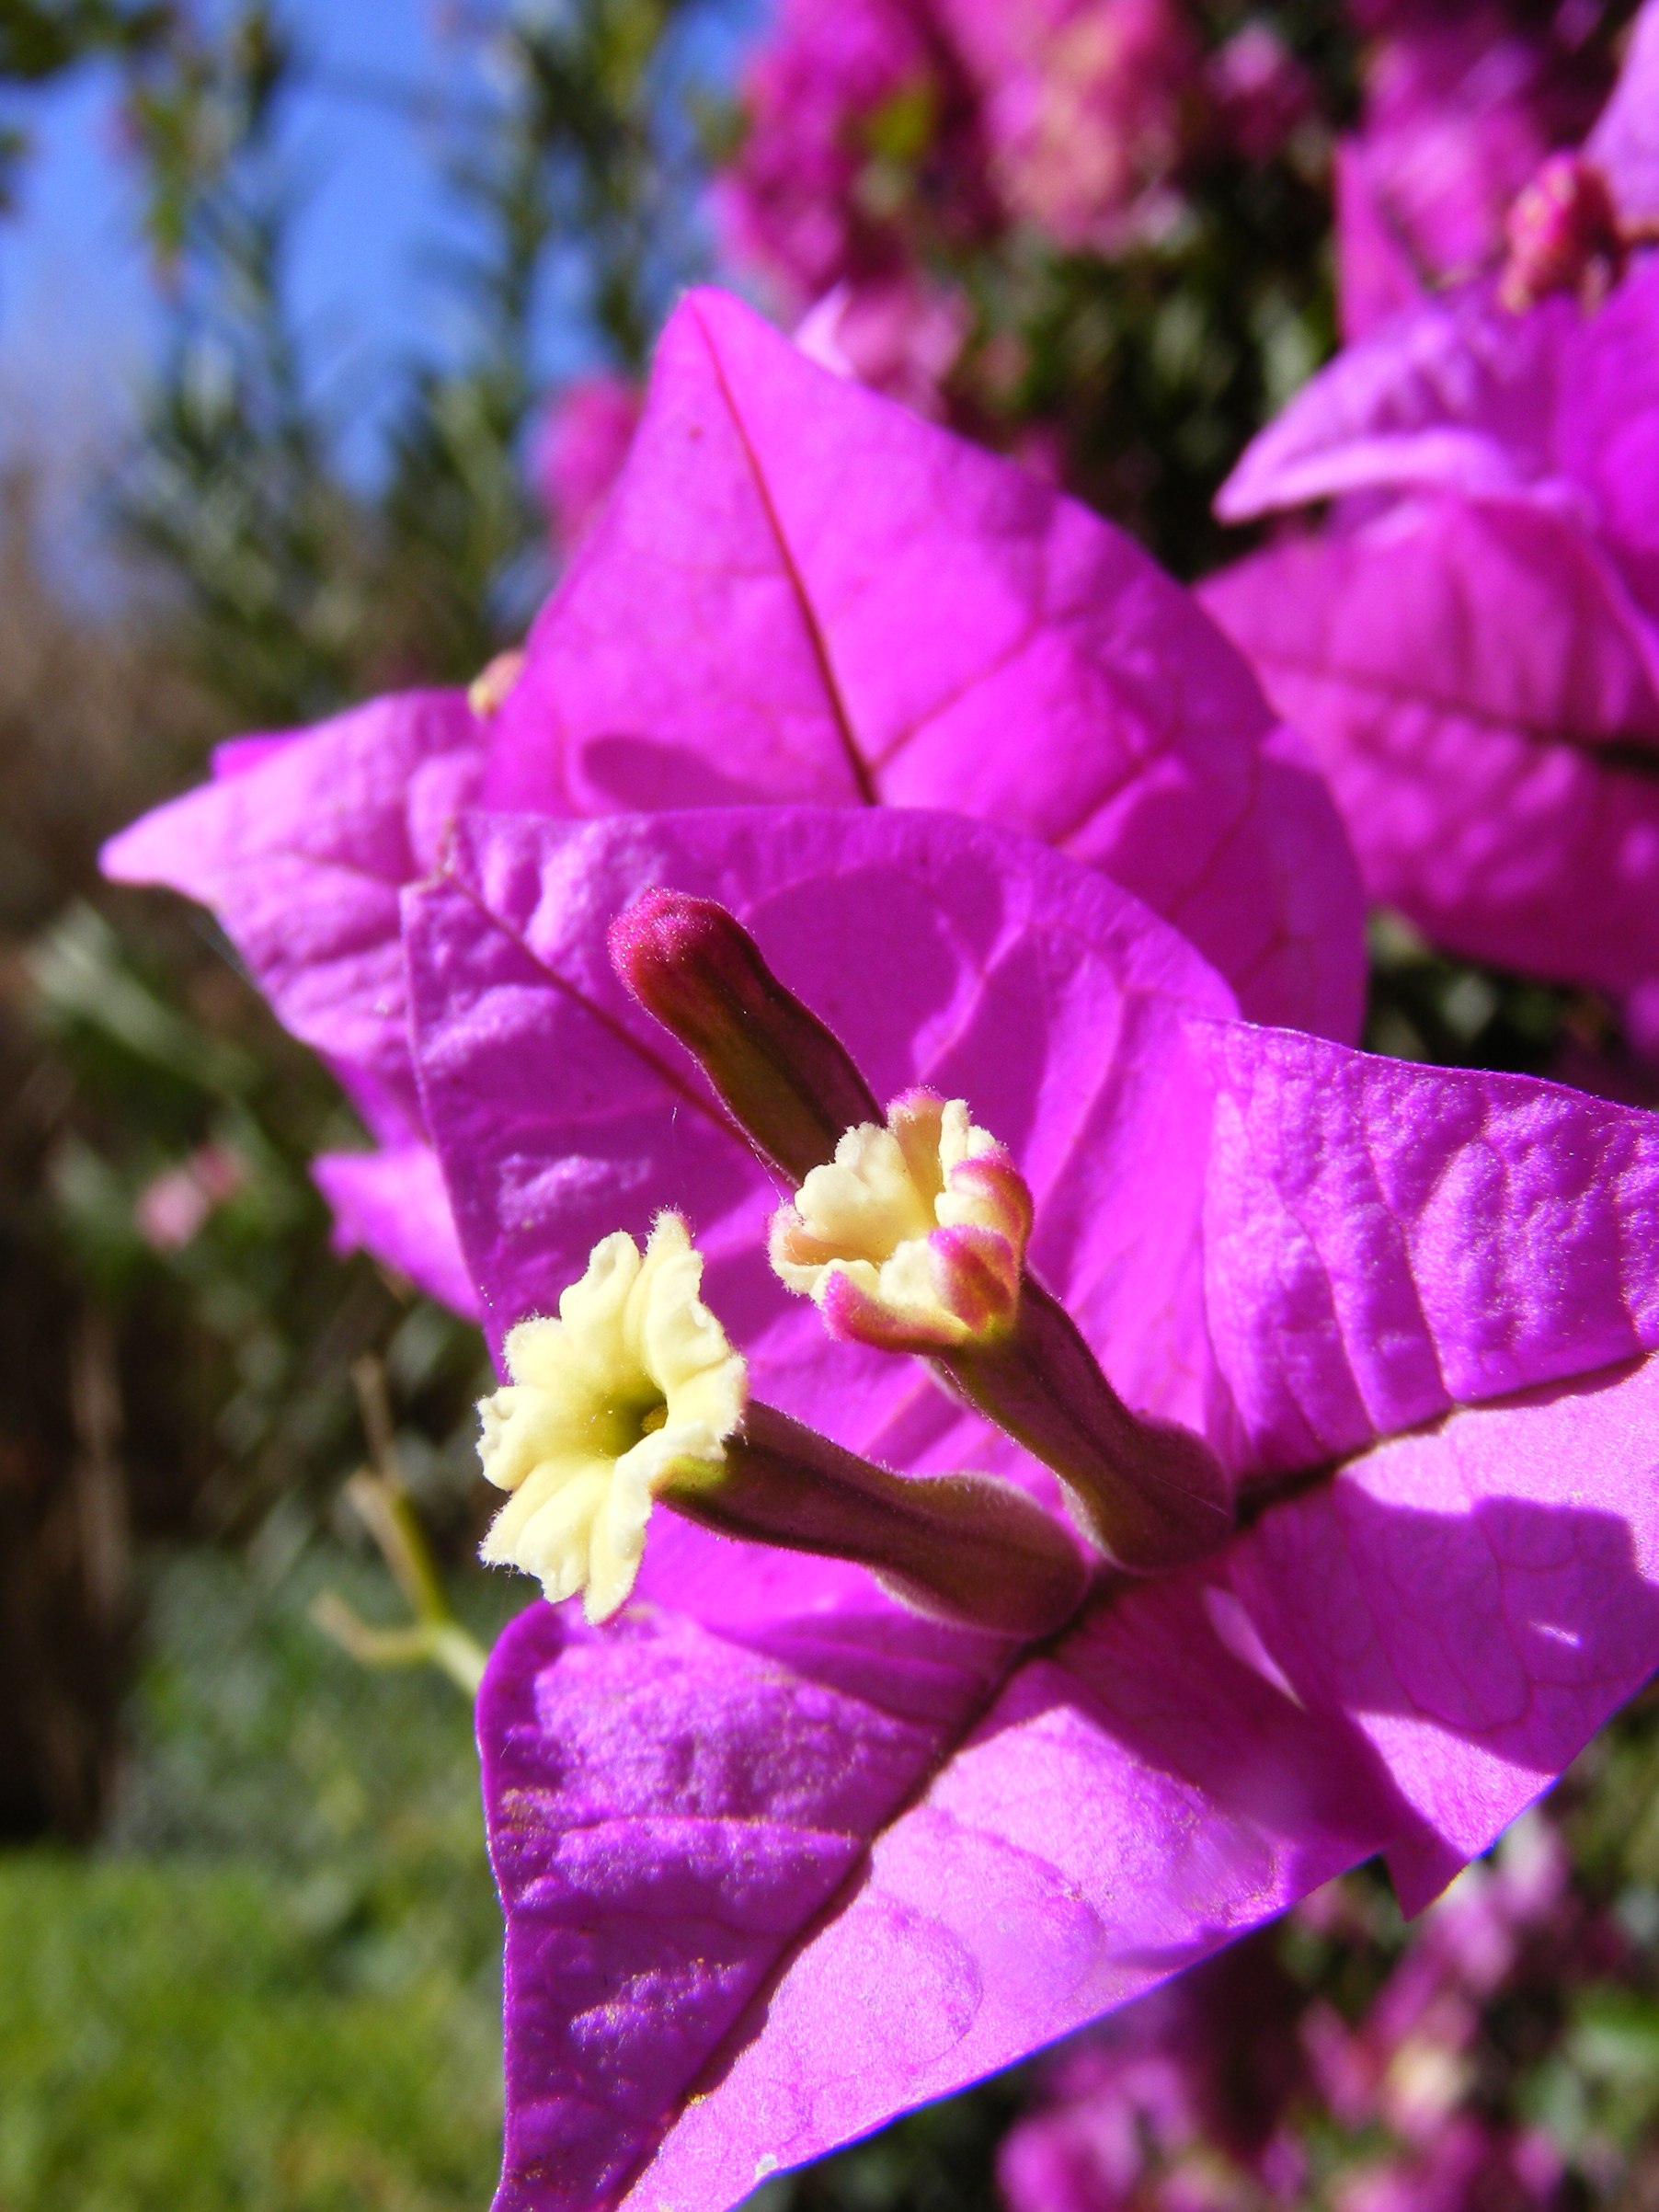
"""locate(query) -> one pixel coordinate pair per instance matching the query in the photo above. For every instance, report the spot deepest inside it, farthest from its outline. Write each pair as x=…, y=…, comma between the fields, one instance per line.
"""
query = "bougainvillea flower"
x=1462, y=103
x=566, y=1435
x=1466, y=396
x=780, y=1858
x=1473, y=649
x=798, y=591
x=1259, y=91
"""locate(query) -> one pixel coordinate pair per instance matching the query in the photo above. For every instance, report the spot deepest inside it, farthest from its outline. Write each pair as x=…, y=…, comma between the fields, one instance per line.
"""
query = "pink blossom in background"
x=1462, y=103
x=1412, y=2063
x=1203, y=2094
x=874, y=128
x=582, y=444
x=798, y=591
x=1472, y=644
x=848, y=111
x=1258, y=92
x=768, y=1816
x=1084, y=105
x=1468, y=2163
x=1177, y=2103
x=174, y=1207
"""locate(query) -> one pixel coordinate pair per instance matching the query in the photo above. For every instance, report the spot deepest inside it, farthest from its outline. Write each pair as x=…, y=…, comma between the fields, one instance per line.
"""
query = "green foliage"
x=563, y=153
x=41, y=39
x=278, y=1990
x=275, y=1988
x=263, y=1320
x=168, y=2040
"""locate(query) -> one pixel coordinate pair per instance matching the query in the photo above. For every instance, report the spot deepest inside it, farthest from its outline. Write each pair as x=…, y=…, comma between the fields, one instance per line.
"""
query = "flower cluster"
x=1470, y=642
x=1148, y=751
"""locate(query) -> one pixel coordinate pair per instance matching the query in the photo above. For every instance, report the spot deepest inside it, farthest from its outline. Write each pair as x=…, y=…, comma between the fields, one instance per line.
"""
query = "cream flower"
x=634, y=1385
x=914, y=1236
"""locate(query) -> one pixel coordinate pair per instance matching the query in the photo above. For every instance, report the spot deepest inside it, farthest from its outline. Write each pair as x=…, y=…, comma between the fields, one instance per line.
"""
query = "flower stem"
x=1151, y=1495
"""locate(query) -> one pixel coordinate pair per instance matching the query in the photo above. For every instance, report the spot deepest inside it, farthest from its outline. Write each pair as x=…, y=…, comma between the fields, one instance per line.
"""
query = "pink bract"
x=1482, y=695
x=780, y=1860
x=797, y=591
x=909, y=601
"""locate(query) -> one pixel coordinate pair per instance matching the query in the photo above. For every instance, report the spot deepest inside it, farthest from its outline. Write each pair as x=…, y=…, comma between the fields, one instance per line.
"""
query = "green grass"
x=173, y=2036
x=277, y=1988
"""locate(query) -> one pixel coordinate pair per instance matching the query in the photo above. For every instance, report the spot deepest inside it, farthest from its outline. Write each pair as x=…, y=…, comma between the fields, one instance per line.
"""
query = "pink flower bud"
x=1563, y=235
x=786, y=1079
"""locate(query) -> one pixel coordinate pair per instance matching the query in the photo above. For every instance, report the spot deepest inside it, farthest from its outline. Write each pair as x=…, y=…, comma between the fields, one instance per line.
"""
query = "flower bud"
x=1563, y=235
x=913, y=1237
x=787, y=1081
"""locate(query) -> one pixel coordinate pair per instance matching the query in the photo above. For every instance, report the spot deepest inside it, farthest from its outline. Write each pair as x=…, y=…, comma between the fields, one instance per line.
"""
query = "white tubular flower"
x=913, y=1237
x=633, y=1386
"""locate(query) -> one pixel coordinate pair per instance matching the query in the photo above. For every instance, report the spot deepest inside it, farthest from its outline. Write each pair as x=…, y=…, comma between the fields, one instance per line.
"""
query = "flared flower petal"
x=914, y=1236
x=633, y=1384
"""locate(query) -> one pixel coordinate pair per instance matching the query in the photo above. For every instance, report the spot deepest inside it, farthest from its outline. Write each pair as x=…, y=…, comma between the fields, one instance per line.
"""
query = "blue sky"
x=78, y=319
